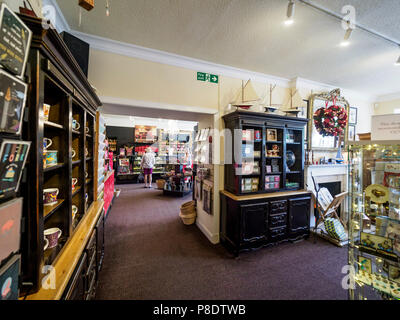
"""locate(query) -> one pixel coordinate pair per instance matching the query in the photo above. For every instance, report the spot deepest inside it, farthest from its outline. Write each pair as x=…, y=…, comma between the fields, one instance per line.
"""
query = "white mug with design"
x=74, y=182
x=74, y=211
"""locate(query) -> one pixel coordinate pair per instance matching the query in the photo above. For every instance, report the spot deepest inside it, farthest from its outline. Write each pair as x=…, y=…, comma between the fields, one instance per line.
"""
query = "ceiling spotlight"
x=290, y=13
x=346, y=39
x=397, y=63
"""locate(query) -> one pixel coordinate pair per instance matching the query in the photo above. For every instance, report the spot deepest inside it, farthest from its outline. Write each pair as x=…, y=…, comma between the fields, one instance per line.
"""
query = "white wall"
x=387, y=107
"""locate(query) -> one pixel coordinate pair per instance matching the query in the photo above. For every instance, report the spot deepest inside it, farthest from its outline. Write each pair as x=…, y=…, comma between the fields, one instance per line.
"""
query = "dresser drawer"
x=278, y=220
x=91, y=246
x=276, y=234
x=91, y=282
x=278, y=207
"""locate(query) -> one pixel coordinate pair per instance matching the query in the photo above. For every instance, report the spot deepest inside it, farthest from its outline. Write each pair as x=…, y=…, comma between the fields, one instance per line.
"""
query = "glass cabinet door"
x=374, y=220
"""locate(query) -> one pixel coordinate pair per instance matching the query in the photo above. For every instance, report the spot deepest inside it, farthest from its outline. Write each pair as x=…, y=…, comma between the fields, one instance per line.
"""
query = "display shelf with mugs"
x=59, y=126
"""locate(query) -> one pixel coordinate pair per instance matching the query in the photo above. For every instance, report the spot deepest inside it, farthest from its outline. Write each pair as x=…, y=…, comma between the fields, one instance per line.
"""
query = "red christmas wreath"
x=330, y=121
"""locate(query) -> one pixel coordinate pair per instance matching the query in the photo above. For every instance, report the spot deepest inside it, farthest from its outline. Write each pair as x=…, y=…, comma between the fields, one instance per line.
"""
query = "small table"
x=178, y=185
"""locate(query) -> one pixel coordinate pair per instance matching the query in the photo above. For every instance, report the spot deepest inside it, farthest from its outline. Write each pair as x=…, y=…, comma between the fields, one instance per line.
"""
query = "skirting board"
x=214, y=238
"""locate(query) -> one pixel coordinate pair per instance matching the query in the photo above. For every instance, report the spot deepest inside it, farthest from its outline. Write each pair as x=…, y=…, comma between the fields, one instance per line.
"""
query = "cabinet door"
x=100, y=241
x=299, y=214
x=77, y=286
x=254, y=222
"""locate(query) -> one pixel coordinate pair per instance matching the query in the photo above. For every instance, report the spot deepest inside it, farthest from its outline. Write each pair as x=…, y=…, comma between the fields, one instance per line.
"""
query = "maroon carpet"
x=150, y=254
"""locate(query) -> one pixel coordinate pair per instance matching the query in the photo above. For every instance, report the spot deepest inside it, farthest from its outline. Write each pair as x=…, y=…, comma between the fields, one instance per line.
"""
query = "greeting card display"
x=9, y=276
x=15, y=40
x=10, y=227
x=12, y=103
x=13, y=154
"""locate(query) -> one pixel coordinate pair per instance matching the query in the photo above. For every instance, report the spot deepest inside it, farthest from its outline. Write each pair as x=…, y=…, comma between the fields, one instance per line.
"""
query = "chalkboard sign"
x=15, y=40
x=12, y=103
x=13, y=154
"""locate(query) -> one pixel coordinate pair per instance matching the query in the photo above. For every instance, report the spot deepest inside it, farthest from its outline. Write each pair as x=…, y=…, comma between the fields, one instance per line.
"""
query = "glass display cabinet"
x=374, y=220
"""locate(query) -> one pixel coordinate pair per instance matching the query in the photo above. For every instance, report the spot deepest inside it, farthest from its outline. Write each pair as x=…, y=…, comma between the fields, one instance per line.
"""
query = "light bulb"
x=345, y=43
x=289, y=22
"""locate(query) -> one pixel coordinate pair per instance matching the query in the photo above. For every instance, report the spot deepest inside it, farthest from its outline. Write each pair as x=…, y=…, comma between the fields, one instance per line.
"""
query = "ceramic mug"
x=73, y=153
x=50, y=158
x=75, y=125
x=47, y=143
x=52, y=235
x=50, y=196
x=74, y=211
x=46, y=112
x=46, y=244
x=74, y=182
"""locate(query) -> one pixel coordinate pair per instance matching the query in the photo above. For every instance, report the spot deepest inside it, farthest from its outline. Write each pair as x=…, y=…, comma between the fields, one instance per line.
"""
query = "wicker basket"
x=188, y=208
x=188, y=219
x=160, y=183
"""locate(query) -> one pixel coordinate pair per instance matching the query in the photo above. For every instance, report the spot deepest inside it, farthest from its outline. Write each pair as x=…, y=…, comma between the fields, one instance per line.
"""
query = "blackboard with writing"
x=15, y=39
x=12, y=103
x=13, y=154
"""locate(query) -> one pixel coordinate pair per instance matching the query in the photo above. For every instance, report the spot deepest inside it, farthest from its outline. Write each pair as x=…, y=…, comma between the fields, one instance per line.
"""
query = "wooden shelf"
x=70, y=254
x=49, y=210
x=52, y=168
x=77, y=189
x=53, y=125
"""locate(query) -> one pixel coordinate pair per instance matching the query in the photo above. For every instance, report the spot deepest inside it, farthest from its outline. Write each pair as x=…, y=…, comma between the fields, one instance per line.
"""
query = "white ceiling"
x=249, y=34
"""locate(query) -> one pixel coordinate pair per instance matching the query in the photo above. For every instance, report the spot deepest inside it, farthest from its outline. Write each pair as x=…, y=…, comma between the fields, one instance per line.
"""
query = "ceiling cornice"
x=389, y=97
x=61, y=24
x=155, y=105
x=138, y=52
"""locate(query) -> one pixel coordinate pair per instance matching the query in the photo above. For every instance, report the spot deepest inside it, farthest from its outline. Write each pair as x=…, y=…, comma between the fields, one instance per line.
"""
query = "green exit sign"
x=207, y=77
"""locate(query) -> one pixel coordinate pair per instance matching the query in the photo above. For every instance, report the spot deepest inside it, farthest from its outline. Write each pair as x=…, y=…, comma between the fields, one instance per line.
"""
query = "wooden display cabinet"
x=55, y=79
x=260, y=156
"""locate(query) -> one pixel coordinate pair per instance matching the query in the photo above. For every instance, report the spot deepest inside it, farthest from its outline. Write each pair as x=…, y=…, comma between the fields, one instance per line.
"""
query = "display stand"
x=15, y=44
x=374, y=220
x=62, y=110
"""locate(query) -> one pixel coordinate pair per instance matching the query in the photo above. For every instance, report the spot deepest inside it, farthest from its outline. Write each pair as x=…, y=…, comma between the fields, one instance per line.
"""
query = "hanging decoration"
x=87, y=4
x=330, y=121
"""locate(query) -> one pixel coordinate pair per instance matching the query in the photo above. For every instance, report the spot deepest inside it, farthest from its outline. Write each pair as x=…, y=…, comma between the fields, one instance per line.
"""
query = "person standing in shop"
x=147, y=164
